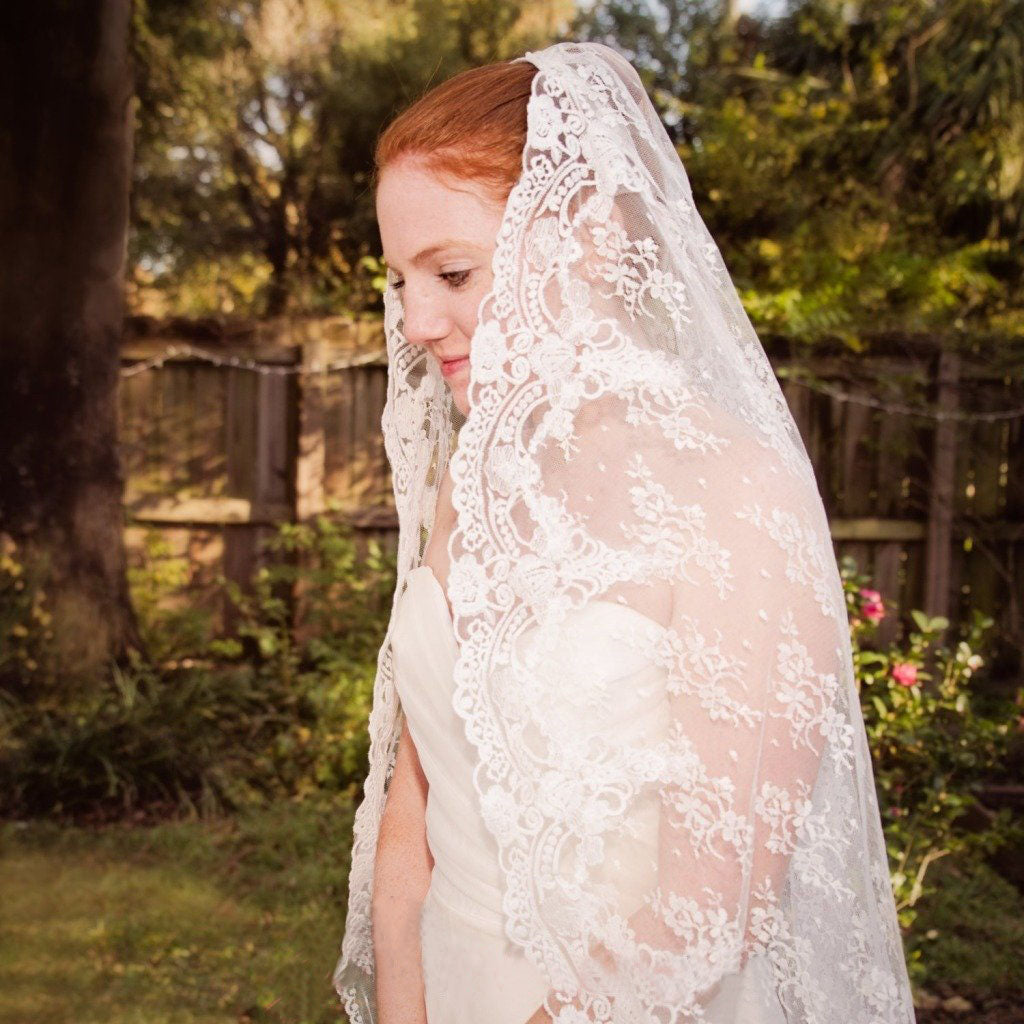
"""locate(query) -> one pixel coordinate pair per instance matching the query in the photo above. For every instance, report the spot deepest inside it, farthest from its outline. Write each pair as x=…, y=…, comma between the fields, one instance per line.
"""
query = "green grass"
x=972, y=932
x=193, y=922
x=239, y=921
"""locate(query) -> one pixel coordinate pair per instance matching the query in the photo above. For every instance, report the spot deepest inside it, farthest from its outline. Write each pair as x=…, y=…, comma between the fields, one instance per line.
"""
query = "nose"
x=424, y=319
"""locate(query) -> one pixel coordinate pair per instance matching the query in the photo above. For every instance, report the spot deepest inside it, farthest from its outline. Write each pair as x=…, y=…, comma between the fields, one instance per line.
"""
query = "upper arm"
x=406, y=804
x=403, y=861
x=756, y=702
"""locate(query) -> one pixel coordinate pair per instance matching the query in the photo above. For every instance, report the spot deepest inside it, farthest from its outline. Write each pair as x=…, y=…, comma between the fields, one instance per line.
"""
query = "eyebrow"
x=432, y=250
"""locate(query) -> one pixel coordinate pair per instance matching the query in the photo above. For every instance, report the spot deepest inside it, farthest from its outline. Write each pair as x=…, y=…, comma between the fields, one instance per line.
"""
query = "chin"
x=459, y=390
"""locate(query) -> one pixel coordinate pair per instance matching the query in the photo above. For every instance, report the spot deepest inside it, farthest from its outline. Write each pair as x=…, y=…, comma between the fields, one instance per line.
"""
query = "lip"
x=449, y=367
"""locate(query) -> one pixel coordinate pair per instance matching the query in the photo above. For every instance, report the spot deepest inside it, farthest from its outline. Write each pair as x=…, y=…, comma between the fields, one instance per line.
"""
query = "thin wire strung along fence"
x=918, y=452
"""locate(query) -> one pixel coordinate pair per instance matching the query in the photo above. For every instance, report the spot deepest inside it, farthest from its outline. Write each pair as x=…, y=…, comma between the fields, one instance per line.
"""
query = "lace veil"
x=697, y=838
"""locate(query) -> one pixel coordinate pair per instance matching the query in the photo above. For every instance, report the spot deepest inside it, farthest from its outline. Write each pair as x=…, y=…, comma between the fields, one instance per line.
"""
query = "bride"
x=617, y=767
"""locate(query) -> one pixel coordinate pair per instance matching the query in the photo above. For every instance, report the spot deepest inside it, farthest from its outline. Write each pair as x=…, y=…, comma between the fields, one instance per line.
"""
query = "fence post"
x=939, y=542
x=241, y=540
x=311, y=448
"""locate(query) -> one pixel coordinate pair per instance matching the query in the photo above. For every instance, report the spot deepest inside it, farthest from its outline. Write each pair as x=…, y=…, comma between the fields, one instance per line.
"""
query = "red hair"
x=471, y=126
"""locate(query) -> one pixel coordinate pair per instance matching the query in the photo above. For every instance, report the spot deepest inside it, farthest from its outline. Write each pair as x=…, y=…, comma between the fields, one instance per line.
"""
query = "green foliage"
x=859, y=165
x=135, y=739
x=255, y=128
x=310, y=627
x=25, y=634
x=174, y=624
x=278, y=710
x=934, y=742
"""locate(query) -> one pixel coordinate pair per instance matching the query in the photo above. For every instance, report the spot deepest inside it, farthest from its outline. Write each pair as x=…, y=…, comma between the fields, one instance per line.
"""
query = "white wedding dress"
x=474, y=974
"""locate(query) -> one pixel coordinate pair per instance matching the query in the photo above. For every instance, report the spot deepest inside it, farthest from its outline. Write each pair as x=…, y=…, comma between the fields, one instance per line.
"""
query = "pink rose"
x=872, y=606
x=904, y=673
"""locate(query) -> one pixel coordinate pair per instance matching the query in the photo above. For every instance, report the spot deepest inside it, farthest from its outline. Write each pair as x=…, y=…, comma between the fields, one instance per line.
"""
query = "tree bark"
x=65, y=154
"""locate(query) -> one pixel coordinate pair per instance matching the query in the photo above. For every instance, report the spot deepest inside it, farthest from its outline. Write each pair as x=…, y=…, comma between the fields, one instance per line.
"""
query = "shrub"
x=203, y=725
x=25, y=634
x=934, y=740
x=310, y=627
x=135, y=739
x=174, y=622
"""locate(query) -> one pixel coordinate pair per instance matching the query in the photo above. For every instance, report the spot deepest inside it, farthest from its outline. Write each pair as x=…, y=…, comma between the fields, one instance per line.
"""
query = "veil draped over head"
x=629, y=482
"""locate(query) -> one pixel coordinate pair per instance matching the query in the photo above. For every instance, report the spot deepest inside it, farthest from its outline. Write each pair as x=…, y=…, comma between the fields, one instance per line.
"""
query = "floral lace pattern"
x=704, y=824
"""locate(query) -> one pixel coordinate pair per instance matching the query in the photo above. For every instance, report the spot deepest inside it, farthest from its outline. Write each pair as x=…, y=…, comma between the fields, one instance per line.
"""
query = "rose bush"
x=935, y=738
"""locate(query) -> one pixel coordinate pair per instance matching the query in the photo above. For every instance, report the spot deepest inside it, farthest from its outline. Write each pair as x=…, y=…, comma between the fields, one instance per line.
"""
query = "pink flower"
x=872, y=606
x=905, y=673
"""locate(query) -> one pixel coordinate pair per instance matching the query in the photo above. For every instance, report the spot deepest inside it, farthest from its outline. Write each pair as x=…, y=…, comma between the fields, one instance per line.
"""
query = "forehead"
x=417, y=209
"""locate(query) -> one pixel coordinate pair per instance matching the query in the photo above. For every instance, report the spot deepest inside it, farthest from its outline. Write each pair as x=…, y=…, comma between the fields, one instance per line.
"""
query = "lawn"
x=240, y=919
x=237, y=920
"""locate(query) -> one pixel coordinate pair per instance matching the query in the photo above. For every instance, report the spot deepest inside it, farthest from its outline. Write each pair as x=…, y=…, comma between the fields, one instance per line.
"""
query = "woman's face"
x=438, y=238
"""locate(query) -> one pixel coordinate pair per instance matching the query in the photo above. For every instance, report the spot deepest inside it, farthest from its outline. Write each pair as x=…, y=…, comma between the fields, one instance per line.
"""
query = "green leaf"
x=922, y=620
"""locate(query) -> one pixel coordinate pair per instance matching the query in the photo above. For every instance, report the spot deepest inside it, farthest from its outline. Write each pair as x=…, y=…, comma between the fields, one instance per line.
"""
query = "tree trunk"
x=65, y=154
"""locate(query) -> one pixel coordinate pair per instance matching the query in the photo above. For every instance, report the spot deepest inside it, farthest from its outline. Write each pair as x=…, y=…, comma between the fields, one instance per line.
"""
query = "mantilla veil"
x=629, y=463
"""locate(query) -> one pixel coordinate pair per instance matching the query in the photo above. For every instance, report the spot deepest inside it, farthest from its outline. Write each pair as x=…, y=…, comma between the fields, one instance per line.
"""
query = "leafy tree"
x=256, y=124
x=860, y=164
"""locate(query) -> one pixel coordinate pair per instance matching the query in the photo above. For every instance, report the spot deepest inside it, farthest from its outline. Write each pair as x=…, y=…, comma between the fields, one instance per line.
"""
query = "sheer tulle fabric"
x=694, y=816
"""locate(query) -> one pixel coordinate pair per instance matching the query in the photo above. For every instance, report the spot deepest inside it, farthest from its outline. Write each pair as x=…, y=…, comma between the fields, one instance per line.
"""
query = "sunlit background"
x=197, y=529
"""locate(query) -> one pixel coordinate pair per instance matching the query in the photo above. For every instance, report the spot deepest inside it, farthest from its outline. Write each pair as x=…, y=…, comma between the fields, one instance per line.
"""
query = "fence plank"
x=240, y=425
x=986, y=581
x=858, y=458
x=888, y=562
x=311, y=443
x=272, y=484
x=938, y=554
x=384, y=490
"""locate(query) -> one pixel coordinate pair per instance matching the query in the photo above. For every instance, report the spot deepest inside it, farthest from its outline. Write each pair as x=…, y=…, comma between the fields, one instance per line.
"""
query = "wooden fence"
x=226, y=434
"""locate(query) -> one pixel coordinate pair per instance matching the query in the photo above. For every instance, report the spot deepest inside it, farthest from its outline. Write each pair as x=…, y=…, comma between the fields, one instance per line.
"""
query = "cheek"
x=468, y=304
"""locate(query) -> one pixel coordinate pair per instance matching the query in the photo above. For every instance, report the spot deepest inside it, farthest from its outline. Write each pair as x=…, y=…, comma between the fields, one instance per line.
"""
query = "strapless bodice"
x=600, y=671
x=424, y=651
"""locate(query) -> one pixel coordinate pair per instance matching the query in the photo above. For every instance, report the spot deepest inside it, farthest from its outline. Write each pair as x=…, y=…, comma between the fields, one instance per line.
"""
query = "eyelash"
x=455, y=279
